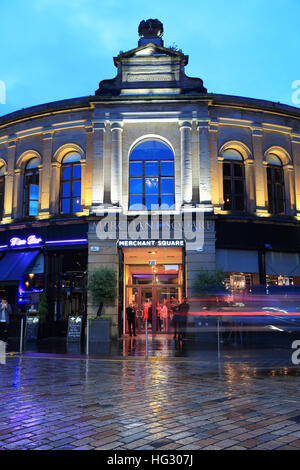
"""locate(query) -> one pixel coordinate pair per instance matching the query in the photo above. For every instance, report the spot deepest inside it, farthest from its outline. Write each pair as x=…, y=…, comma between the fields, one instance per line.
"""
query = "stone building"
x=76, y=174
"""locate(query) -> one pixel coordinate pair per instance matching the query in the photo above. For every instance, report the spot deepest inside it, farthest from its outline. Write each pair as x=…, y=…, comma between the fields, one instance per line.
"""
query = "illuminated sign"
x=29, y=241
x=150, y=243
x=95, y=248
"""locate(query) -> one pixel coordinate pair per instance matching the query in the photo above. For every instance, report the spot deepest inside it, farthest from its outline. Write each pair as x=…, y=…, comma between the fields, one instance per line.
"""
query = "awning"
x=15, y=264
x=237, y=261
x=38, y=266
x=285, y=264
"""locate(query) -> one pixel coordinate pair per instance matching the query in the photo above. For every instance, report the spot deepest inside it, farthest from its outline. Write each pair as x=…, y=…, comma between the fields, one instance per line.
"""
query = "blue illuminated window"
x=151, y=177
x=31, y=188
x=70, y=184
x=2, y=185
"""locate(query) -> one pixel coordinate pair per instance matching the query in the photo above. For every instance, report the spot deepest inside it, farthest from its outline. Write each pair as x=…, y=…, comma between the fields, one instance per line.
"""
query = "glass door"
x=169, y=297
x=148, y=302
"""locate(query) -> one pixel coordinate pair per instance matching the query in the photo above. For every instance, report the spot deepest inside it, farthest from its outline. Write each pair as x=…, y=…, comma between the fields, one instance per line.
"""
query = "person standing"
x=176, y=319
x=5, y=311
x=146, y=313
x=164, y=316
x=182, y=319
x=158, y=317
x=139, y=313
x=150, y=314
x=130, y=311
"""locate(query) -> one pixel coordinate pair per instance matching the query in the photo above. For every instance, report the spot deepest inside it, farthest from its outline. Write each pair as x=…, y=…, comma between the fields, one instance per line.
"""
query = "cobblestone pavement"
x=65, y=402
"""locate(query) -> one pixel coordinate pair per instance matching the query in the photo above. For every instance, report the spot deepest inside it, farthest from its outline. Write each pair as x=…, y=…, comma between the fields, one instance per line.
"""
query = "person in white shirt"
x=164, y=315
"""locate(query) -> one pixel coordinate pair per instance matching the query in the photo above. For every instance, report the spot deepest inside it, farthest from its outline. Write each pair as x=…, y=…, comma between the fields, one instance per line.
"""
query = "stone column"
x=83, y=184
x=296, y=159
x=289, y=189
x=220, y=182
x=18, y=194
x=98, y=164
x=9, y=183
x=250, y=185
x=116, y=163
x=55, y=187
x=205, y=176
x=260, y=172
x=217, y=197
x=186, y=163
x=87, y=184
x=195, y=165
x=44, y=196
x=40, y=168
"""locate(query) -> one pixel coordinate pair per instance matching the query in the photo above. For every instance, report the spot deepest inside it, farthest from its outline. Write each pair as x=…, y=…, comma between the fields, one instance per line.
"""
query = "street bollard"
x=218, y=336
x=21, y=335
x=87, y=336
x=146, y=326
x=2, y=352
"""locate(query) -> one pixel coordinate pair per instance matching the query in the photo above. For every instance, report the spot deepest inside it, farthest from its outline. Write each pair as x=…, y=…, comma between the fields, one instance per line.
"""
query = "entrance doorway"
x=153, y=278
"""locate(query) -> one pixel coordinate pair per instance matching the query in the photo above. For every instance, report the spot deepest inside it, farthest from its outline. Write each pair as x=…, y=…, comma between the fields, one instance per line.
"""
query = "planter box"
x=99, y=330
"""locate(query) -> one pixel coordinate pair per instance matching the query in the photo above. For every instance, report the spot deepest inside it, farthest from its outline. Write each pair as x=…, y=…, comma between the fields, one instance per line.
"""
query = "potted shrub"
x=103, y=287
x=42, y=314
x=209, y=287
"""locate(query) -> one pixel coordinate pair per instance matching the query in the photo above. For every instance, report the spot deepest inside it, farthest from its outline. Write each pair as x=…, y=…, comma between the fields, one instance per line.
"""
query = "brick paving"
x=63, y=402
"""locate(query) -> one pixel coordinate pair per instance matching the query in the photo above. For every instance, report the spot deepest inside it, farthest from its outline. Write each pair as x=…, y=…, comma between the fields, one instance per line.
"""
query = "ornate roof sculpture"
x=151, y=29
x=151, y=68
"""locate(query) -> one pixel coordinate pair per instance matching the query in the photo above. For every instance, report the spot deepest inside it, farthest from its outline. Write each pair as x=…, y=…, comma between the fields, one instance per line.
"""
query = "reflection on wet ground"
x=266, y=352
x=52, y=401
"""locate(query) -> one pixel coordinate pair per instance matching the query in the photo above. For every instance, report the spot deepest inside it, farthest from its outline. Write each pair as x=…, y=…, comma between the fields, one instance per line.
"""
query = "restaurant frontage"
x=38, y=261
x=152, y=277
x=151, y=272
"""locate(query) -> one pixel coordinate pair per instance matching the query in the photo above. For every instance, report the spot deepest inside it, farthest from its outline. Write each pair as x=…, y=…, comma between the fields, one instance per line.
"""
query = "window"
x=151, y=177
x=70, y=184
x=275, y=182
x=31, y=188
x=233, y=181
x=2, y=185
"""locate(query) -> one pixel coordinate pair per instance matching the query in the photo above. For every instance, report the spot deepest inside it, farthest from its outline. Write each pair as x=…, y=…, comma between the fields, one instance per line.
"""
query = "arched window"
x=275, y=182
x=151, y=176
x=233, y=181
x=70, y=184
x=31, y=188
x=2, y=187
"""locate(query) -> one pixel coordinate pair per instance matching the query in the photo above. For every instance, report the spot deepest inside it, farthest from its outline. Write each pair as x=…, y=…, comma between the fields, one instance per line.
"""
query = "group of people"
x=169, y=313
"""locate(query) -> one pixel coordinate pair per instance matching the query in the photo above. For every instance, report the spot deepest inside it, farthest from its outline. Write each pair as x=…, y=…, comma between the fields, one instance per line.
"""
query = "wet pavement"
x=163, y=345
x=232, y=398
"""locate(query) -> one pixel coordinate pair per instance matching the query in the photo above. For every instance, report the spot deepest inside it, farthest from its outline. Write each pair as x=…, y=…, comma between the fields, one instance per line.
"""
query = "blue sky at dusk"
x=57, y=49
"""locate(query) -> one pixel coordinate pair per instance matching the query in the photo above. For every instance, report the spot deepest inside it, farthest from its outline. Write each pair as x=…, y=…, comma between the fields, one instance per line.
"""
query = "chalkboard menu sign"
x=32, y=328
x=74, y=329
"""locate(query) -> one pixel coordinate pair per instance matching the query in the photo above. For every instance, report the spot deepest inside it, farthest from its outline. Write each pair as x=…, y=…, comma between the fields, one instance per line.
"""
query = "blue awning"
x=15, y=264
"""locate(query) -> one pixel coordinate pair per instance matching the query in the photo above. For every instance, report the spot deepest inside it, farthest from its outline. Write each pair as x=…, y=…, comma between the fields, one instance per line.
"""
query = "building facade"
x=76, y=176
